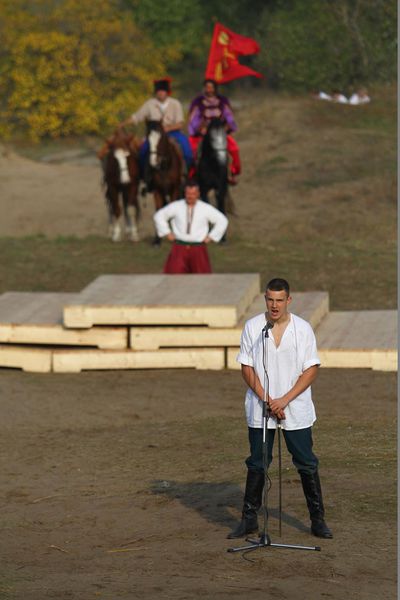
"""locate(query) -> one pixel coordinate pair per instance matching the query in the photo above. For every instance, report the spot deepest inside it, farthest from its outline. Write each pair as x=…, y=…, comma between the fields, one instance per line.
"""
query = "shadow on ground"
x=216, y=502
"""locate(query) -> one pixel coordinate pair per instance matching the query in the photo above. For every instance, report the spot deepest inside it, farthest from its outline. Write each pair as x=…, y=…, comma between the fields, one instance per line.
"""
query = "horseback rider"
x=162, y=107
x=205, y=107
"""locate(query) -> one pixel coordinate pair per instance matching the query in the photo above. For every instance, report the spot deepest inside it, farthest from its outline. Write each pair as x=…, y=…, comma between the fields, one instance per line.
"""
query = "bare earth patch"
x=125, y=485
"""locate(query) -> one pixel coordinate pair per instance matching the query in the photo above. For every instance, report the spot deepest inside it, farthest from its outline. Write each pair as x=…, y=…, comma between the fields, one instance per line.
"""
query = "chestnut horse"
x=121, y=178
x=163, y=168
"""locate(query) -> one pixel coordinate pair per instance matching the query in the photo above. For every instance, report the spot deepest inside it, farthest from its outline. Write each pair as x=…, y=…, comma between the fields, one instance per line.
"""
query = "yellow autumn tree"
x=72, y=67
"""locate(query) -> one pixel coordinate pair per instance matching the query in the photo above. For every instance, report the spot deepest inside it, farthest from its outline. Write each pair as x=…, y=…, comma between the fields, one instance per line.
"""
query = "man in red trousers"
x=190, y=224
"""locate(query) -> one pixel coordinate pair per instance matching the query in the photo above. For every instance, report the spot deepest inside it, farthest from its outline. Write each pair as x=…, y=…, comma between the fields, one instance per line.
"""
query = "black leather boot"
x=251, y=504
x=313, y=494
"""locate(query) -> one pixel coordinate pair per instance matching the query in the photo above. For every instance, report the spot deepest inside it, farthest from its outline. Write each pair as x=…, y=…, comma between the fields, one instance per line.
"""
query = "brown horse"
x=164, y=167
x=121, y=179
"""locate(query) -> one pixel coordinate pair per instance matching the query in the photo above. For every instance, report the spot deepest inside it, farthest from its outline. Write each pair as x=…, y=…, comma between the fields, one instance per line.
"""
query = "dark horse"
x=164, y=167
x=212, y=167
x=121, y=178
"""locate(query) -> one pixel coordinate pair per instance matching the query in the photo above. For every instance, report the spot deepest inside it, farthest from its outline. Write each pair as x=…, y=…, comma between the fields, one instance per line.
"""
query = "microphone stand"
x=264, y=540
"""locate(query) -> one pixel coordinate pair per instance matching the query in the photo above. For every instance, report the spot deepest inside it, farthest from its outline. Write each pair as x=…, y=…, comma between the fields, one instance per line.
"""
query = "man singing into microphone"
x=284, y=345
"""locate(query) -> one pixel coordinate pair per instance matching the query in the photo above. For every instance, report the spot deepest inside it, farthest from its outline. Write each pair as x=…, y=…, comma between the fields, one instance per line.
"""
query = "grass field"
x=317, y=204
x=357, y=275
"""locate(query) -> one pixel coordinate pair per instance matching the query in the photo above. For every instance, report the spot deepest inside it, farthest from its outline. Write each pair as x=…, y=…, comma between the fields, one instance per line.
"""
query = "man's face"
x=191, y=194
x=161, y=95
x=209, y=89
x=277, y=304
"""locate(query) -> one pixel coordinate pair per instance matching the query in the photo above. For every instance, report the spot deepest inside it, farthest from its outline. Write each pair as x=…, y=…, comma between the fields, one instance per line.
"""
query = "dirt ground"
x=308, y=169
x=125, y=485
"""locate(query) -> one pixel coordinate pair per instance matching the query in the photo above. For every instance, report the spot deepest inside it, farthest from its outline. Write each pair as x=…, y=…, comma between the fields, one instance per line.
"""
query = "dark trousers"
x=298, y=442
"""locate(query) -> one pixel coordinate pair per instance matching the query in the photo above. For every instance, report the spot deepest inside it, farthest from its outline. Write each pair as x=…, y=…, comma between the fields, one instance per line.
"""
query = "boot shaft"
x=313, y=494
x=253, y=492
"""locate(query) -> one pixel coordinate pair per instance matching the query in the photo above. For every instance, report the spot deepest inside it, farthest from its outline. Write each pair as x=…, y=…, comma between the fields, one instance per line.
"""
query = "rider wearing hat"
x=162, y=107
x=205, y=107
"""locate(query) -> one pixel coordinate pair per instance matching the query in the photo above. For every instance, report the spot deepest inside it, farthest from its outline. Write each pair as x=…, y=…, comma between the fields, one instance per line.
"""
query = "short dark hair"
x=277, y=285
x=192, y=182
x=210, y=80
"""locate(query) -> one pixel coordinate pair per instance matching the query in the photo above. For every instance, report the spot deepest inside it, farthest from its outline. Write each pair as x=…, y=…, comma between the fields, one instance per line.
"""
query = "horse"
x=212, y=167
x=121, y=178
x=164, y=167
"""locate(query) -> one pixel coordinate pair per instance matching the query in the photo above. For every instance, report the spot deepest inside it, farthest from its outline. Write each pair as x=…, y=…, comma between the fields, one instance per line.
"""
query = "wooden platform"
x=358, y=330
x=378, y=360
x=312, y=306
x=34, y=360
x=73, y=361
x=216, y=300
x=359, y=339
x=352, y=339
x=188, y=321
x=36, y=318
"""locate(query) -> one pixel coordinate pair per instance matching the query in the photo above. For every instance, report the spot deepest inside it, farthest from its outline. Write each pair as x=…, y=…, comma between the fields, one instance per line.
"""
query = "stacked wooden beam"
x=359, y=339
x=91, y=330
x=173, y=321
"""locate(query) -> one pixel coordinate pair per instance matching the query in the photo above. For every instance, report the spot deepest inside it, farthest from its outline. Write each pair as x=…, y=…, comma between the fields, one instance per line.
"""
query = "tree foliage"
x=73, y=66
x=328, y=43
x=77, y=66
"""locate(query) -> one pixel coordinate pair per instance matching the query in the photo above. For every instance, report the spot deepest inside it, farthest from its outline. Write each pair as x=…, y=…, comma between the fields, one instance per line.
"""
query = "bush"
x=328, y=43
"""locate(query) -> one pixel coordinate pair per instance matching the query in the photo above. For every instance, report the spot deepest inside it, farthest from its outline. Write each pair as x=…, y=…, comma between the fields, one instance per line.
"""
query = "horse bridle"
x=160, y=162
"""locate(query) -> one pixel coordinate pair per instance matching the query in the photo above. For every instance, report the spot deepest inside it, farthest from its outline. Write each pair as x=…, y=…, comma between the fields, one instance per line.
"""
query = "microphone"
x=268, y=325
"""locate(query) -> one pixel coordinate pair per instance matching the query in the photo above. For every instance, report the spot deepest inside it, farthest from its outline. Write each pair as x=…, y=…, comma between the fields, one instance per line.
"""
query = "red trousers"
x=187, y=259
x=232, y=147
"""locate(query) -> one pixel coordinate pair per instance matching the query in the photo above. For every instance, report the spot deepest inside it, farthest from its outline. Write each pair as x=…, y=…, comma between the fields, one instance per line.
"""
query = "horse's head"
x=154, y=135
x=121, y=140
x=216, y=135
x=159, y=145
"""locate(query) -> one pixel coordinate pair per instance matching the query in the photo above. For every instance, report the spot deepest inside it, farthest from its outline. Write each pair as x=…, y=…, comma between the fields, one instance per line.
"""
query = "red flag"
x=226, y=46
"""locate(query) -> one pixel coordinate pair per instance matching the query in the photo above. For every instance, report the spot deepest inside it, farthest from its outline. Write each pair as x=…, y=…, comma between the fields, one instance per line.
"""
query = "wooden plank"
x=231, y=363
x=152, y=338
x=378, y=360
x=352, y=340
x=74, y=361
x=35, y=360
x=36, y=318
x=358, y=330
x=309, y=305
x=312, y=306
x=216, y=300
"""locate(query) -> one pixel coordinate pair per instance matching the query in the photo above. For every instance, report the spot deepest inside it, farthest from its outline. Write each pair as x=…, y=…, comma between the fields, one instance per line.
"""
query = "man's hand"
x=125, y=123
x=207, y=240
x=277, y=406
x=170, y=237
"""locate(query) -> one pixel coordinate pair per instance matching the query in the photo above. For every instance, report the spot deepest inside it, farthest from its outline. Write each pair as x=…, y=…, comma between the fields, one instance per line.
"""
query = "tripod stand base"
x=265, y=542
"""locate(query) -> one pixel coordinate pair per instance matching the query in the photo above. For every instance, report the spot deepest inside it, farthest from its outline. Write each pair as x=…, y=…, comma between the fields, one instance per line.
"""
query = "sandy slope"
x=302, y=165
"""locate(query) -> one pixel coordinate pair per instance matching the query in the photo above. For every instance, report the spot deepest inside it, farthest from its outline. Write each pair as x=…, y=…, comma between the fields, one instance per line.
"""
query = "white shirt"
x=190, y=223
x=324, y=96
x=169, y=112
x=340, y=98
x=356, y=99
x=296, y=353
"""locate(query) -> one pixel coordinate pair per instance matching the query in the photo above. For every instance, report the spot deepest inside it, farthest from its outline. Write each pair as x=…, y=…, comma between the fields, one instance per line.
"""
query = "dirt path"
x=117, y=485
x=307, y=168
